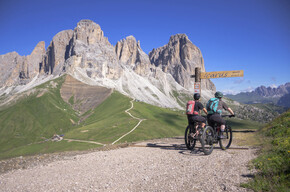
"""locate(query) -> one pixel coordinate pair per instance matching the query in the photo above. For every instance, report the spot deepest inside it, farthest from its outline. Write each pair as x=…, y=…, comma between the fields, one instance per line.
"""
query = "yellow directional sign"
x=221, y=74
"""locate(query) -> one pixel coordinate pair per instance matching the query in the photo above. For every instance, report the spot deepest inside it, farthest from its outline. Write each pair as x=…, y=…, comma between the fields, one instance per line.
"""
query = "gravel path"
x=164, y=165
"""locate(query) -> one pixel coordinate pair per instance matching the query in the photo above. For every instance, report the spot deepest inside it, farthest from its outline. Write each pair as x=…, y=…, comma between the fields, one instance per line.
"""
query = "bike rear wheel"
x=226, y=142
x=207, y=140
x=189, y=140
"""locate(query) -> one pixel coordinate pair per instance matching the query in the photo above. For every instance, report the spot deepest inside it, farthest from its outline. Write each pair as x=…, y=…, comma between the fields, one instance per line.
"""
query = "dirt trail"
x=157, y=165
x=140, y=120
x=85, y=141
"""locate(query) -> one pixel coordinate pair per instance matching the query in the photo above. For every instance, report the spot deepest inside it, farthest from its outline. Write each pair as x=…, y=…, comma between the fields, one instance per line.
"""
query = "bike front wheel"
x=226, y=142
x=189, y=140
x=207, y=140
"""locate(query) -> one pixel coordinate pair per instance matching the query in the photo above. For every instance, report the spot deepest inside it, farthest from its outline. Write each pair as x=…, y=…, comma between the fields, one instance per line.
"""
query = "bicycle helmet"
x=196, y=96
x=218, y=94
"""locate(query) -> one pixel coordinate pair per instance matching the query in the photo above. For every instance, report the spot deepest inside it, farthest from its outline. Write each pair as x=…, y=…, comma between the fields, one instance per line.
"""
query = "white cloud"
x=234, y=92
x=230, y=92
x=249, y=89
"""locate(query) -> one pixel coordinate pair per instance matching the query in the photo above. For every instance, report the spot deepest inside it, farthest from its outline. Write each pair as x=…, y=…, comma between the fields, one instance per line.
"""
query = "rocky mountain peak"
x=180, y=57
x=182, y=38
x=91, y=52
x=39, y=49
x=273, y=92
x=130, y=53
x=57, y=52
x=30, y=66
x=18, y=70
x=89, y=32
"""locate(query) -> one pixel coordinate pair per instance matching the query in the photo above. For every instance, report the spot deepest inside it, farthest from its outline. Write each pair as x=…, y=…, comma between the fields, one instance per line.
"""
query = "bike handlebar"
x=230, y=116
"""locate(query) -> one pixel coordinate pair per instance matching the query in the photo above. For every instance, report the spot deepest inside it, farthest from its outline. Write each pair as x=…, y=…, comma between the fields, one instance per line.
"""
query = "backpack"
x=212, y=106
x=190, y=108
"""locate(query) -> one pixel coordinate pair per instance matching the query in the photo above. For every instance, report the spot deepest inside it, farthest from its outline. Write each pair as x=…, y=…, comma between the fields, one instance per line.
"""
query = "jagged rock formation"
x=17, y=70
x=57, y=52
x=180, y=57
x=129, y=52
x=9, y=68
x=264, y=94
x=31, y=65
x=273, y=92
x=86, y=54
x=91, y=52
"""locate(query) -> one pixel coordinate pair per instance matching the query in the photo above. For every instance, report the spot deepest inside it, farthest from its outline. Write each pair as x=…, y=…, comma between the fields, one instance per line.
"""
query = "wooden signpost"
x=209, y=75
x=222, y=74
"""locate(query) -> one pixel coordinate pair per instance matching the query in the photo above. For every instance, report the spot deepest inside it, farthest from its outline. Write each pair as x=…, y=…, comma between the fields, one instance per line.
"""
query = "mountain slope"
x=37, y=115
x=41, y=114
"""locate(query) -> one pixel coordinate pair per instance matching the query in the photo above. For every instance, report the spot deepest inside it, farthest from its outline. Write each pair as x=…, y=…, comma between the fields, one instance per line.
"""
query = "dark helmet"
x=218, y=94
x=196, y=96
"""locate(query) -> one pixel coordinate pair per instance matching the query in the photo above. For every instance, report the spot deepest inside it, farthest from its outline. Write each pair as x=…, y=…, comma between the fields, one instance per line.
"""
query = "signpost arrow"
x=222, y=74
x=209, y=75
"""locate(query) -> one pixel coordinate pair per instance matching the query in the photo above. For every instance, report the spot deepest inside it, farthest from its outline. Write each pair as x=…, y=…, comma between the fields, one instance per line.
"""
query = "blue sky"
x=252, y=35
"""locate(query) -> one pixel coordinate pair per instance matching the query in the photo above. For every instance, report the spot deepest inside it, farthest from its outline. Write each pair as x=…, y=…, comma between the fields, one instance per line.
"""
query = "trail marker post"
x=197, y=86
x=209, y=75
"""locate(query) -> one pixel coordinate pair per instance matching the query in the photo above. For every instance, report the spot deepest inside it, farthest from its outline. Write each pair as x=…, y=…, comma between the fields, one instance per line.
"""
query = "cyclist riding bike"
x=193, y=113
x=214, y=108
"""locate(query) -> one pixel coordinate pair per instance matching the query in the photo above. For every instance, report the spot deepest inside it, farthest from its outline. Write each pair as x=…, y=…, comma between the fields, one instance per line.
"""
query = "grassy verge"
x=47, y=147
x=273, y=163
x=243, y=124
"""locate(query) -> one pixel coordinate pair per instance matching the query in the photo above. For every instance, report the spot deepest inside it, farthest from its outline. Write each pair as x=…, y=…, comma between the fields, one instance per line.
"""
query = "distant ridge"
x=264, y=94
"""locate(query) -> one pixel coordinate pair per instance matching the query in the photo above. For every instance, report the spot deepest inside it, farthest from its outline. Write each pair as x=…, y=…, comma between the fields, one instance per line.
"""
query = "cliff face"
x=18, y=70
x=180, y=57
x=130, y=53
x=57, y=52
x=91, y=52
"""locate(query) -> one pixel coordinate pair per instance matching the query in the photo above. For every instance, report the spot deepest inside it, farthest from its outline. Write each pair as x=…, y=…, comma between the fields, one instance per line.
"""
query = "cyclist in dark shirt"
x=216, y=117
x=197, y=107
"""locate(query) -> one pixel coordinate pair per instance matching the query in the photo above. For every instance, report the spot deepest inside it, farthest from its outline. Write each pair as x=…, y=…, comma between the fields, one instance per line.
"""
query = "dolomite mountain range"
x=88, y=56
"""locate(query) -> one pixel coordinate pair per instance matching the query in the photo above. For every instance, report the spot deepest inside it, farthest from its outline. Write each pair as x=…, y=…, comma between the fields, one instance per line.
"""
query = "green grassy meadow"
x=109, y=122
x=273, y=162
x=33, y=118
x=25, y=125
x=29, y=122
x=238, y=124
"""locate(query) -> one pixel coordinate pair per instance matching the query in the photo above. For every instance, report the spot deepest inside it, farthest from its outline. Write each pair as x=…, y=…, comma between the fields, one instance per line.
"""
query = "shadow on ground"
x=177, y=143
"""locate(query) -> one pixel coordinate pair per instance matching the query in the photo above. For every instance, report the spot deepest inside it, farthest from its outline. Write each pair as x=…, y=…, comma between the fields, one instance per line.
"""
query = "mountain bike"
x=192, y=134
x=210, y=136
